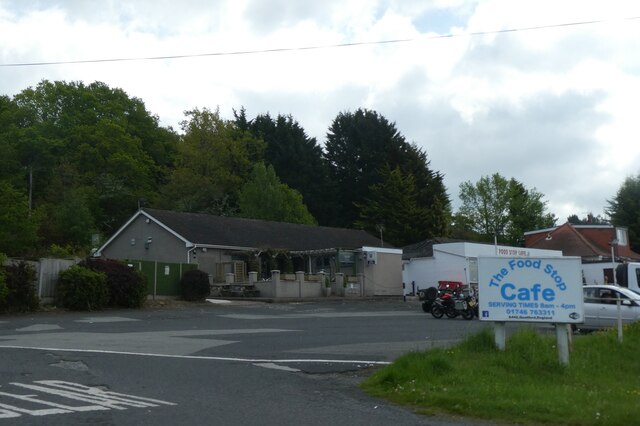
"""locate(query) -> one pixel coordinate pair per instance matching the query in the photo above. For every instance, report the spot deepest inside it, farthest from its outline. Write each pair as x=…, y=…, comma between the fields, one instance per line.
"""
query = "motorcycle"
x=452, y=305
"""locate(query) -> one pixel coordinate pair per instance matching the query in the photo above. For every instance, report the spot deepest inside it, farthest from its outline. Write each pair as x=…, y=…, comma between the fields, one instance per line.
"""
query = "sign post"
x=547, y=290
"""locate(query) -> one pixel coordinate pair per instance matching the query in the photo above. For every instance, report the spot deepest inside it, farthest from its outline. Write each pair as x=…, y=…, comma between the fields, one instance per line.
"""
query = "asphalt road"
x=241, y=363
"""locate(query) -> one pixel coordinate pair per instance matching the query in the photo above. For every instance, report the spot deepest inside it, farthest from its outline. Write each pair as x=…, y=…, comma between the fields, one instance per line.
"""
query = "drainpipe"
x=189, y=253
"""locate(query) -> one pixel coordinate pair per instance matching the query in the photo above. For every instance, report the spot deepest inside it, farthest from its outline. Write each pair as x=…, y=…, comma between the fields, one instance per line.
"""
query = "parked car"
x=601, y=308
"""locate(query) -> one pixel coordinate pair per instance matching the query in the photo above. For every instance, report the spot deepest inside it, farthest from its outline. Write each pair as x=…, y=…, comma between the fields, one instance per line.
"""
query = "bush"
x=80, y=288
x=127, y=286
x=20, y=280
x=194, y=285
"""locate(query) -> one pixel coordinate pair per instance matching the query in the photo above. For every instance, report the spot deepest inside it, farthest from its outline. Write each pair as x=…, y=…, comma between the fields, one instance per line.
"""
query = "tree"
x=392, y=206
x=624, y=209
x=589, y=220
x=495, y=207
x=18, y=228
x=359, y=146
x=215, y=158
x=90, y=138
x=297, y=160
x=70, y=222
x=265, y=197
x=527, y=212
x=10, y=167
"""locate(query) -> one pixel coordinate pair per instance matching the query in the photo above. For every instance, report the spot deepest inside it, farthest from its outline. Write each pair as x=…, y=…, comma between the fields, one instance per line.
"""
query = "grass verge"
x=524, y=384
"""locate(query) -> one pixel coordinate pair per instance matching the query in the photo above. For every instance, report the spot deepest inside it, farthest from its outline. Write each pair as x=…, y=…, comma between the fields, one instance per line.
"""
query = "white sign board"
x=530, y=289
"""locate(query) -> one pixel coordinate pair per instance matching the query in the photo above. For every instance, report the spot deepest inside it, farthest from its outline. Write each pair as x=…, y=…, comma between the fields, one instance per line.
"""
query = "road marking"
x=40, y=327
x=208, y=358
x=219, y=301
x=98, y=399
x=106, y=319
x=325, y=315
x=173, y=342
x=276, y=367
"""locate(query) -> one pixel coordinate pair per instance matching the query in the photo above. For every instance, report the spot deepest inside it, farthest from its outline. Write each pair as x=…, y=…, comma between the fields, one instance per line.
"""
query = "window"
x=621, y=236
x=590, y=295
x=617, y=294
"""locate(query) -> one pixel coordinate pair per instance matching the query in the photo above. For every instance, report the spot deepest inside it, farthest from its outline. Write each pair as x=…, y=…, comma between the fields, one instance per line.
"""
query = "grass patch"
x=524, y=384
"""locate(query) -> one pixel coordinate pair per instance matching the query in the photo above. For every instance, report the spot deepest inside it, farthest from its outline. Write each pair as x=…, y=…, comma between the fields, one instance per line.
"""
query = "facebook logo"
x=485, y=314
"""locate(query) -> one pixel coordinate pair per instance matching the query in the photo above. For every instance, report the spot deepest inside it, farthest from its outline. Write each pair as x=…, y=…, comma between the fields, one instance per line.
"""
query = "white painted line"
x=209, y=358
x=276, y=367
x=219, y=301
x=40, y=327
x=97, y=399
x=106, y=319
x=374, y=314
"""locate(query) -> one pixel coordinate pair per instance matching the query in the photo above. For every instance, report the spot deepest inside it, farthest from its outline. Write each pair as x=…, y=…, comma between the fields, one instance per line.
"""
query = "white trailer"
x=458, y=262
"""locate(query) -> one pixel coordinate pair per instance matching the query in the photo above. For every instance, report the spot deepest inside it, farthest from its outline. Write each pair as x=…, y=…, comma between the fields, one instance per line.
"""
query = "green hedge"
x=80, y=288
x=21, y=293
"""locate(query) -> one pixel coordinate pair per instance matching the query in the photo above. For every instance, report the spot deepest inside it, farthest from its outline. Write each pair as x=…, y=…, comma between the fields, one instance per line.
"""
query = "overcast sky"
x=552, y=105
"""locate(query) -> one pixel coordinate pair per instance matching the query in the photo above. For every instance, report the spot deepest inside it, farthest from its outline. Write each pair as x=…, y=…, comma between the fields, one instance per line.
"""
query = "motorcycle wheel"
x=451, y=313
x=437, y=311
x=467, y=314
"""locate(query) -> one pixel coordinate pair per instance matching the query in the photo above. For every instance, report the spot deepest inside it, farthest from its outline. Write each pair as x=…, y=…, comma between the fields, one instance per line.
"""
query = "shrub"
x=20, y=279
x=80, y=288
x=127, y=286
x=194, y=285
x=64, y=252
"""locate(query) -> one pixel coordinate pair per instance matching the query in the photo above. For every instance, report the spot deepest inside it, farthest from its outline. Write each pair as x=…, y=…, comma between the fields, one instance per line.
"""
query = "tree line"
x=78, y=159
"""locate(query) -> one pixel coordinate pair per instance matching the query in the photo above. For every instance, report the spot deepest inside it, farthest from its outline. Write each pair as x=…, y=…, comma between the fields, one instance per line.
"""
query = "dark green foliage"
x=82, y=145
x=21, y=285
x=215, y=158
x=624, y=209
x=80, y=289
x=194, y=285
x=4, y=290
x=359, y=147
x=297, y=160
x=392, y=210
x=87, y=153
x=589, y=220
x=265, y=197
x=18, y=228
x=127, y=286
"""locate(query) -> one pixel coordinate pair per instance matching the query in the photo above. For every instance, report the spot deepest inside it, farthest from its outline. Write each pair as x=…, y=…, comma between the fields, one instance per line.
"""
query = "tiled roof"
x=204, y=229
x=571, y=242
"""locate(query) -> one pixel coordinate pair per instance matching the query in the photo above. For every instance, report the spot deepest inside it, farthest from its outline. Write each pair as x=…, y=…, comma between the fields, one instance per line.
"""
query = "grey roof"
x=424, y=248
x=204, y=229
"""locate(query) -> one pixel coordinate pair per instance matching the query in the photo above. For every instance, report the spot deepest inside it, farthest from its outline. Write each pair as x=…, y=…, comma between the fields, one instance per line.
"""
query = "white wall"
x=427, y=271
x=458, y=262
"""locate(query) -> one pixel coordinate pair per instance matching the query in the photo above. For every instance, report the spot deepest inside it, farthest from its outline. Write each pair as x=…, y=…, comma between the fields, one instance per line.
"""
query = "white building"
x=455, y=261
